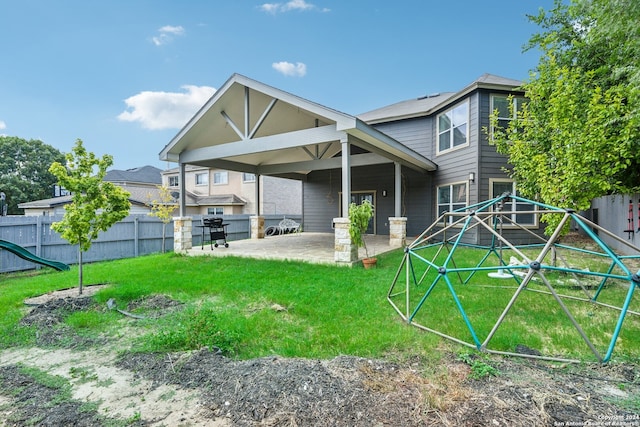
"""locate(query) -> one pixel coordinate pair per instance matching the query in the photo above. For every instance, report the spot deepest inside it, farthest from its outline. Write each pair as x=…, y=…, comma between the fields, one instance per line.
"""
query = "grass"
x=324, y=310
x=251, y=308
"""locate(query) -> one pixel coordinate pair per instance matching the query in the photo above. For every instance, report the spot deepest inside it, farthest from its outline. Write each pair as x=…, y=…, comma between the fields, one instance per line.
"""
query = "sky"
x=125, y=76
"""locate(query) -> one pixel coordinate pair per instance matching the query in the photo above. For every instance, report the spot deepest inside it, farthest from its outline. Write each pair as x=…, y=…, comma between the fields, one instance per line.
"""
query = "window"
x=452, y=128
x=215, y=211
x=248, y=177
x=500, y=103
x=499, y=187
x=173, y=181
x=452, y=197
x=202, y=178
x=220, y=178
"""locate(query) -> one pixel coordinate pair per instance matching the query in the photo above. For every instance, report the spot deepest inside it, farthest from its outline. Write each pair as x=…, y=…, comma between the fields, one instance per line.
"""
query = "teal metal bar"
x=635, y=281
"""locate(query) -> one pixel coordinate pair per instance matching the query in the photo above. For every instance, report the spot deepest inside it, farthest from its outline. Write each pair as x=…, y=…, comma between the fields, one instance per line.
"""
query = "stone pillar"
x=257, y=227
x=345, y=250
x=182, y=236
x=397, y=232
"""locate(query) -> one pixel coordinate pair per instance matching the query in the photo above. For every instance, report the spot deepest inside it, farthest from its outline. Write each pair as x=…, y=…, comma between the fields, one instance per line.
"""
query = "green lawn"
x=251, y=308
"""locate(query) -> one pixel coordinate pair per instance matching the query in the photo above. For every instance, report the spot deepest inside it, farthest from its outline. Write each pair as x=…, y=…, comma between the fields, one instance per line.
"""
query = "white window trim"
x=226, y=173
x=450, y=185
x=169, y=181
x=536, y=222
x=247, y=180
x=215, y=207
x=206, y=175
x=517, y=98
x=458, y=147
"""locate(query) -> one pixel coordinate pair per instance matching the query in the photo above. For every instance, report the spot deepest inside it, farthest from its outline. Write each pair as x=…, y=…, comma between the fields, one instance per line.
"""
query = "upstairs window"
x=248, y=177
x=173, y=181
x=452, y=197
x=500, y=104
x=202, y=178
x=220, y=178
x=453, y=128
x=522, y=212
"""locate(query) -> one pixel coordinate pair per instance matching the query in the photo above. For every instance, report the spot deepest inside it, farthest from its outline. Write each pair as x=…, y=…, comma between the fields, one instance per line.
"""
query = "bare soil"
x=206, y=388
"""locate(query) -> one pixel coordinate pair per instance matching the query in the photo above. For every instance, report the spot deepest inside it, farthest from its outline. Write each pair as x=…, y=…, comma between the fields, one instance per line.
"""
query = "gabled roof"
x=252, y=127
x=143, y=175
x=427, y=105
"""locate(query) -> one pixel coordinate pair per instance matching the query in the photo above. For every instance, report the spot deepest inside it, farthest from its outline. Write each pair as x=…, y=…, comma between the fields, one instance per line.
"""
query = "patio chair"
x=287, y=225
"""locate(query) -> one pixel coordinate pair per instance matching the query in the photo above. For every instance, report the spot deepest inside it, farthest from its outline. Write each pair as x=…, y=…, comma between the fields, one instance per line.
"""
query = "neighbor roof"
x=142, y=175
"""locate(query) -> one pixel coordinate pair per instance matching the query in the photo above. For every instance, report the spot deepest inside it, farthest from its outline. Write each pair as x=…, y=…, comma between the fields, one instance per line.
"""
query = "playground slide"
x=25, y=254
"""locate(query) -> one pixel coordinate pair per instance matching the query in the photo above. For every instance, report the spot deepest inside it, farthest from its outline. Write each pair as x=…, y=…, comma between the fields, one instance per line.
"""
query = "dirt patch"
x=206, y=388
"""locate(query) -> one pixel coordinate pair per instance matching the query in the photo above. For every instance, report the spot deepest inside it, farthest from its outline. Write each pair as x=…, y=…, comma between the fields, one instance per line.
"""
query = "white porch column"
x=344, y=249
x=182, y=233
x=346, y=177
x=182, y=189
x=397, y=190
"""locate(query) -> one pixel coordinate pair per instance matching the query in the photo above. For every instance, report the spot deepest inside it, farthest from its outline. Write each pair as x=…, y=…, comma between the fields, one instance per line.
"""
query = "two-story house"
x=413, y=160
x=141, y=183
x=223, y=192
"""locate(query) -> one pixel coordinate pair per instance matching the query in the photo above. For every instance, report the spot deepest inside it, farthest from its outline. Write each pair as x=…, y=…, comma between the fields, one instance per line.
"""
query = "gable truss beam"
x=247, y=134
x=317, y=155
x=263, y=144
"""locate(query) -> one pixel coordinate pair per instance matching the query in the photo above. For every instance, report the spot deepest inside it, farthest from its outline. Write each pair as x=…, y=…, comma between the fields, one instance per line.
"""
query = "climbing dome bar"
x=542, y=297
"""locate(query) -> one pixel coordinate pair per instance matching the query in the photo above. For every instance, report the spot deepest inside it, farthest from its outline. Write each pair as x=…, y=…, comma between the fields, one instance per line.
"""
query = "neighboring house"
x=222, y=192
x=142, y=183
x=414, y=159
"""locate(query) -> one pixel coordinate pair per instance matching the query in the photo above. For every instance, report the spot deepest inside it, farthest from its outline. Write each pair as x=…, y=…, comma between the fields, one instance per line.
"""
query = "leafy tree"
x=96, y=204
x=578, y=135
x=162, y=208
x=24, y=168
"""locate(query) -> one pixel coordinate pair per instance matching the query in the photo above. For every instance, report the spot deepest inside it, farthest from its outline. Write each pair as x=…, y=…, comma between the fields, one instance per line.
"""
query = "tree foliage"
x=578, y=135
x=96, y=204
x=163, y=208
x=24, y=168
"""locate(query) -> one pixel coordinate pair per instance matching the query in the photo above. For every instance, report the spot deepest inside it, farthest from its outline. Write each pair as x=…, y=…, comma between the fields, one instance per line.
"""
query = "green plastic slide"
x=25, y=254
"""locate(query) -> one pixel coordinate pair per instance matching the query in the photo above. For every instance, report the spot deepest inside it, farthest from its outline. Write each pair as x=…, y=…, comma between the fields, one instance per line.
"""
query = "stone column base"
x=397, y=232
x=257, y=227
x=182, y=233
x=345, y=250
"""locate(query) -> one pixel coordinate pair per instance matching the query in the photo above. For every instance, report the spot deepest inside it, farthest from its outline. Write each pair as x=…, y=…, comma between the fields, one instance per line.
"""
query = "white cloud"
x=166, y=34
x=3, y=125
x=165, y=110
x=288, y=6
x=298, y=69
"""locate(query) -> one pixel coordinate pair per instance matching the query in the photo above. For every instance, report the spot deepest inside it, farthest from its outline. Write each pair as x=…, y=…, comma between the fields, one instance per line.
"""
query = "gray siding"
x=416, y=134
x=322, y=197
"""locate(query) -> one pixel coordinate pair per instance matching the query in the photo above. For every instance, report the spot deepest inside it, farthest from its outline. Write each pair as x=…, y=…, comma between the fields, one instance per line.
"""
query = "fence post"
x=136, y=238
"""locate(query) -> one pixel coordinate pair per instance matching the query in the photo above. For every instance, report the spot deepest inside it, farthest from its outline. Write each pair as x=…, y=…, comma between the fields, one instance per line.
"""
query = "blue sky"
x=125, y=75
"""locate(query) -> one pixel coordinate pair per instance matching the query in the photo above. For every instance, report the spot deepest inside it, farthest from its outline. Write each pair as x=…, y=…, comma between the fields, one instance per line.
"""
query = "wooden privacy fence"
x=134, y=236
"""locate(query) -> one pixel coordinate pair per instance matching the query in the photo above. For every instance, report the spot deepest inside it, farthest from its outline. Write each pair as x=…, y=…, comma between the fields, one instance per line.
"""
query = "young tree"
x=24, y=174
x=162, y=208
x=96, y=204
x=578, y=135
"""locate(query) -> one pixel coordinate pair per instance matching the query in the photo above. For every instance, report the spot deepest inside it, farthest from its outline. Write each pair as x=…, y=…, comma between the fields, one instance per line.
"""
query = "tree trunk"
x=79, y=270
x=164, y=231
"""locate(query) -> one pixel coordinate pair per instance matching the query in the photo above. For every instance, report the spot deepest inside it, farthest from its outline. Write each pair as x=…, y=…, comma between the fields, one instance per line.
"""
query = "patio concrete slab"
x=306, y=246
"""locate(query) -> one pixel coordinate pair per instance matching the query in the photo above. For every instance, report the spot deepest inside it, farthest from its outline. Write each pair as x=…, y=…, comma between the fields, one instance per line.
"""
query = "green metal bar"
x=462, y=312
x=635, y=281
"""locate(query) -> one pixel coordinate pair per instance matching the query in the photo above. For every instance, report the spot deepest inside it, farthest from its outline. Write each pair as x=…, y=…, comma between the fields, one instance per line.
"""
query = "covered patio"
x=251, y=127
x=316, y=248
